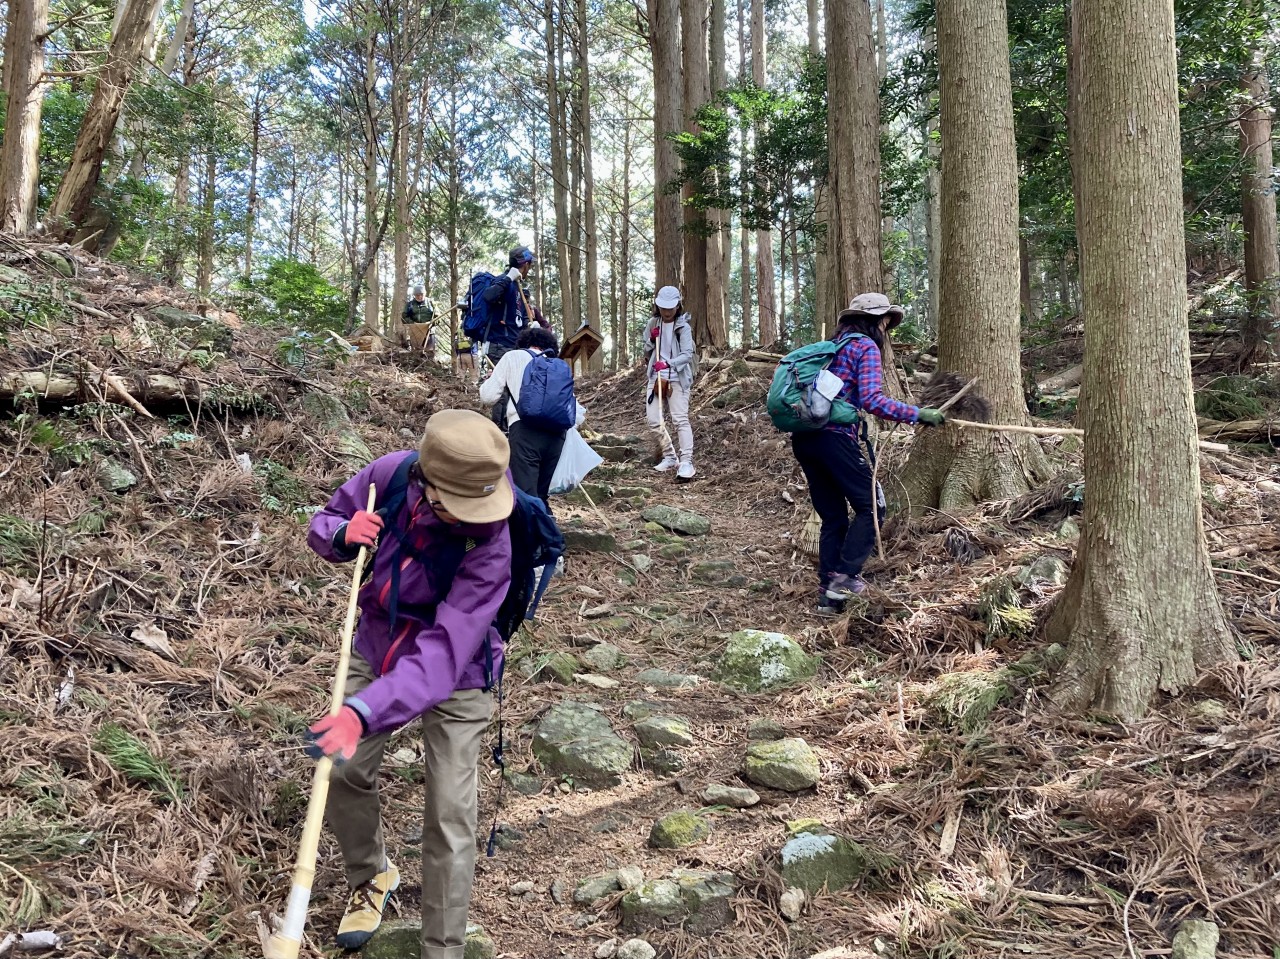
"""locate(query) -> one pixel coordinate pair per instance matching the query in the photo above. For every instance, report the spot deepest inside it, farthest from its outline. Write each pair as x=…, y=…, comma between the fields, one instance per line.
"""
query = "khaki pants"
x=452, y=734
x=676, y=405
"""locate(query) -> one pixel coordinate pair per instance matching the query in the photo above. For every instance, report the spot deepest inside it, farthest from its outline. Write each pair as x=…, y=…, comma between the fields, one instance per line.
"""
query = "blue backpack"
x=477, y=317
x=546, y=394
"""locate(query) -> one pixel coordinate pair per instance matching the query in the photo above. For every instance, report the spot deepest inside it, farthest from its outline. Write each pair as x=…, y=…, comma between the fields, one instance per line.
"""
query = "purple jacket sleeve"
x=351, y=497
x=427, y=673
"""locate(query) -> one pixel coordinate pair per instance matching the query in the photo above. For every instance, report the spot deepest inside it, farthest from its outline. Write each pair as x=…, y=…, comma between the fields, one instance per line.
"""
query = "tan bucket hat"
x=465, y=456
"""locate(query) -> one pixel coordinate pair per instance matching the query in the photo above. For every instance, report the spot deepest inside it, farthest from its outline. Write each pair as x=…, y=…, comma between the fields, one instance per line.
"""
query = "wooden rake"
x=286, y=943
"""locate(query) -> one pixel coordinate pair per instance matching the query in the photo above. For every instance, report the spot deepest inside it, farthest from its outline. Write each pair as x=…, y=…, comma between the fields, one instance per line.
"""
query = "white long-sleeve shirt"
x=509, y=375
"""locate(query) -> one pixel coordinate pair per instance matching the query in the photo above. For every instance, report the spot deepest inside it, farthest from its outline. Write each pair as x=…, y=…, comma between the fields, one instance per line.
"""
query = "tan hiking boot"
x=364, y=911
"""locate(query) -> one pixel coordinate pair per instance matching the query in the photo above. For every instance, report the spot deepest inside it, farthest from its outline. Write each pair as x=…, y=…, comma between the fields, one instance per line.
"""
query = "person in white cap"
x=669, y=359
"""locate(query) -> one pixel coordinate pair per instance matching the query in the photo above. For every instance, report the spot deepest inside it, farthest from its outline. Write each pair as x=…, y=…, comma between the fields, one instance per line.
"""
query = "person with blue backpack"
x=541, y=410
x=505, y=307
x=451, y=581
x=819, y=394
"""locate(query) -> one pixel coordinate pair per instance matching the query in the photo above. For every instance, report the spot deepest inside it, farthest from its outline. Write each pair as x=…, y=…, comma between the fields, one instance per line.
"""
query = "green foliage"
x=130, y=757
x=282, y=491
x=298, y=295
x=1230, y=398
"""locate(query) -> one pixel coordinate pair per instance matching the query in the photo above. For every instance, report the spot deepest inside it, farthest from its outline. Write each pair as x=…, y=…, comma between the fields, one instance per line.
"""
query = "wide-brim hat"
x=465, y=457
x=873, y=304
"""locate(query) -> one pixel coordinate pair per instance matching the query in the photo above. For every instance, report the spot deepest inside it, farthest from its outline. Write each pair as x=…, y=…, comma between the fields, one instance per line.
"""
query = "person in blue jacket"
x=507, y=305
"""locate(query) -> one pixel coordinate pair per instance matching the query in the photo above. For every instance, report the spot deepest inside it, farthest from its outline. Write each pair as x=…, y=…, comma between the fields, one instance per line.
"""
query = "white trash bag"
x=577, y=459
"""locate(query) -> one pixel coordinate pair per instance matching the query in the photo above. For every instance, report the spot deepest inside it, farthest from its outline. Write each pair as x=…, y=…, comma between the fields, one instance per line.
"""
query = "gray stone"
x=629, y=877
x=325, y=408
x=642, y=563
x=114, y=477
x=683, y=521
x=811, y=861
x=603, y=657
x=732, y=395
x=789, y=764
x=596, y=887
x=663, y=679
x=679, y=829
x=641, y=709
x=58, y=262
x=403, y=940
x=791, y=904
x=672, y=550
x=618, y=449
x=765, y=730
x=1195, y=939
x=596, y=682
x=558, y=892
x=732, y=796
x=506, y=837
x=523, y=783
x=575, y=740
x=756, y=661
x=520, y=888
x=1044, y=570
x=1069, y=529
x=607, y=949
x=718, y=572
x=560, y=667
x=664, y=731
x=699, y=901
x=589, y=541
x=635, y=949
x=1210, y=713
x=664, y=762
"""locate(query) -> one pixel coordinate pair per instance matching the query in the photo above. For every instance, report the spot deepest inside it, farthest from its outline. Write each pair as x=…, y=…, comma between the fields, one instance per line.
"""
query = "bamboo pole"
x=286, y=943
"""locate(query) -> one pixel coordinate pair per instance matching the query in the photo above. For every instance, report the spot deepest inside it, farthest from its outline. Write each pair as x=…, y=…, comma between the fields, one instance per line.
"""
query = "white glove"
x=514, y=273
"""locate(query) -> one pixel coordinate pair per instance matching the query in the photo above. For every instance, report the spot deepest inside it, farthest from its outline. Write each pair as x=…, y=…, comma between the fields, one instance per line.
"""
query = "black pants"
x=839, y=477
x=534, y=455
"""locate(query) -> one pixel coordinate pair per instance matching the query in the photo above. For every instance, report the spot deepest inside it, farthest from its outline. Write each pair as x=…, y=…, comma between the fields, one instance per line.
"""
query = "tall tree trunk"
x=1024, y=279
x=826, y=304
x=401, y=185
x=766, y=302
x=668, y=86
x=72, y=203
x=559, y=170
x=744, y=237
x=251, y=212
x=693, y=38
x=1140, y=612
x=624, y=265
x=815, y=27
x=978, y=335
x=295, y=209
x=588, y=179
x=20, y=154
x=887, y=225
x=205, y=235
x=1258, y=199
x=371, y=279
x=718, y=244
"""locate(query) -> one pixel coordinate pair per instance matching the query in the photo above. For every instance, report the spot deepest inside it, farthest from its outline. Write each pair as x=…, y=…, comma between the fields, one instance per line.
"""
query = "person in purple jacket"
x=430, y=662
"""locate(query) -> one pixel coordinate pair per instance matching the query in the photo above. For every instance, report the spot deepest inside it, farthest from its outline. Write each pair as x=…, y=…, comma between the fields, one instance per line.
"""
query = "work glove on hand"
x=654, y=333
x=335, y=736
x=661, y=365
x=931, y=417
x=362, y=530
x=514, y=274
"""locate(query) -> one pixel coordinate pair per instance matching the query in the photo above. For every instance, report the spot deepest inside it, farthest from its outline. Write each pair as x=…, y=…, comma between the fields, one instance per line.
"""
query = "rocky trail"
x=697, y=765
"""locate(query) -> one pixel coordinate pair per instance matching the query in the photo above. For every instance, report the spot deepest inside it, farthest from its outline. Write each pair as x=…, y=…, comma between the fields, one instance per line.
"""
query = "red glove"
x=363, y=529
x=335, y=736
x=660, y=366
x=653, y=334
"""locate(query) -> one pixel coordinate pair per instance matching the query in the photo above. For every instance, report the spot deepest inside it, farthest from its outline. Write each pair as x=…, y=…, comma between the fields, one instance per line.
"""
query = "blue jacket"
x=511, y=319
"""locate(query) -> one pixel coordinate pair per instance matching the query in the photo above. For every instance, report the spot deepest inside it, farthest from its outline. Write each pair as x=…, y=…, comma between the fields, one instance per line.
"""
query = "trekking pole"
x=286, y=943
x=657, y=389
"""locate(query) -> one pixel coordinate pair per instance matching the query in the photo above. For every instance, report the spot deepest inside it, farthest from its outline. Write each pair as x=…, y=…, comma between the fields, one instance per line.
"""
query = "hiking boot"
x=667, y=465
x=844, y=587
x=829, y=608
x=364, y=911
x=686, y=472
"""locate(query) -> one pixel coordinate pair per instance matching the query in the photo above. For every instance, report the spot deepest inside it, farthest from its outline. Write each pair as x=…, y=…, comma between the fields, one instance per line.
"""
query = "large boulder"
x=788, y=764
x=575, y=740
x=682, y=521
x=698, y=901
x=756, y=661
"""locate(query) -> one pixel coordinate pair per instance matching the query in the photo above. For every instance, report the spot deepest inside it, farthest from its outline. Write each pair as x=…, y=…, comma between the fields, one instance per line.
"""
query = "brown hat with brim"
x=872, y=304
x=465, y=457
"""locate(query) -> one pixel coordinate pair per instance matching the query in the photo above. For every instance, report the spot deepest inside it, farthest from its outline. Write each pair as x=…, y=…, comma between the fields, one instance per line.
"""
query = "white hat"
x=667, y=298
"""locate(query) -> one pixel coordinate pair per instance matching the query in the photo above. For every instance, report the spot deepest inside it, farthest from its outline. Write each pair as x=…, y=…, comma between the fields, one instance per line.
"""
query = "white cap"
x=667, y=298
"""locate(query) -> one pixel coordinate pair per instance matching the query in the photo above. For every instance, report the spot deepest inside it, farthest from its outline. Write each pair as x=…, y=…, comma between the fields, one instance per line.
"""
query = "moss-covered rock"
x=596, y=887
x=603, y=657
x=679, y=829
x=574, y=740
x=403, y=940
x=765, y=730
x=811, y=860
x=683, y=521
x=560, y=667
x=788, y=764
x=699, y=901
x=756, y=661
x=655, y=731
x=664, y=679
x=662, y=761
x=589, y=541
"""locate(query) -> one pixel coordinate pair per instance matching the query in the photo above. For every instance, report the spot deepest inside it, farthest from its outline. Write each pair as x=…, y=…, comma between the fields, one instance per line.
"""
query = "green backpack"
x=794, y=404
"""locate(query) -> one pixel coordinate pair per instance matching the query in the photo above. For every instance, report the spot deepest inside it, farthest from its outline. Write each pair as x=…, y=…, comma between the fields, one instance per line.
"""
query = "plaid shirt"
x=858, y=364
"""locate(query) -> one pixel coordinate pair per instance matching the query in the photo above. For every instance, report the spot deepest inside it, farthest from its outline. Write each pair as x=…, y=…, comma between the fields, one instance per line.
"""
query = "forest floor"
x=166, y=635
